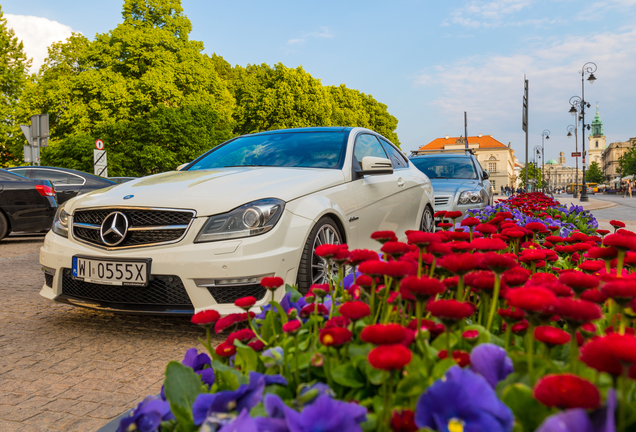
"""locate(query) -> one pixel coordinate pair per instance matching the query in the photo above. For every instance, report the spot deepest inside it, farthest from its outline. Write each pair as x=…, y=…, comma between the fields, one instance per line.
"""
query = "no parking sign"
x=99, y=144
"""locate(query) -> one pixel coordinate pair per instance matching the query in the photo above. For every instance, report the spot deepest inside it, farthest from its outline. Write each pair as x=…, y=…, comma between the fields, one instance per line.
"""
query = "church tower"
x=561, y=158
x=596, y=143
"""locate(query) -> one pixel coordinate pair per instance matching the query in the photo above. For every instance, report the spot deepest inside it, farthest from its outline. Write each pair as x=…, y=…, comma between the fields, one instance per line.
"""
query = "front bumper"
x=448, y=202
x=186, y=277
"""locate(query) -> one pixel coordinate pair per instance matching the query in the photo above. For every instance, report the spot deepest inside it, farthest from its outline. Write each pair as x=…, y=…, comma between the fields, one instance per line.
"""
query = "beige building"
x=610, y=157
x=558, y=175
x=494, y=156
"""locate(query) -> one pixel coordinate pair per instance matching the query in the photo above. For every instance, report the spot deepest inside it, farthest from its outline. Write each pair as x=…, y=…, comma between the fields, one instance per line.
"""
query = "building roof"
x=551, y=162
x=484, y=141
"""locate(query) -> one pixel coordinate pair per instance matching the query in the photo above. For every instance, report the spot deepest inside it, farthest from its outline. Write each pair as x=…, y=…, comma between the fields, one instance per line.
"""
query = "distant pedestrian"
x=502, y=190
x=628, y=189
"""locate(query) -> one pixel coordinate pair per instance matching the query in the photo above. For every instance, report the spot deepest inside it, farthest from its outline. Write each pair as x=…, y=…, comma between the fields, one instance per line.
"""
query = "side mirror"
x=182, y=166
x=372, y=165
x=486, y=175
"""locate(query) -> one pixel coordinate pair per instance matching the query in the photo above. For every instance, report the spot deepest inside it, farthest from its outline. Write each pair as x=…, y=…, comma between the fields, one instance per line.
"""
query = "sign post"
x=37, y=135
x=100, y=163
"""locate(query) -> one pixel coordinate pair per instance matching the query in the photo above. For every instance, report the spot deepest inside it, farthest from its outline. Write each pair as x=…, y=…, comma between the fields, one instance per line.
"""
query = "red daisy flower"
x=459, y=263
x=272, y=283
x=622, y=291
x=486, y=229
x=334, y=336
x=355, y=310
x=245, y=302
x=400, y=269
x=384, y=236
x=605, y=253
x=532, y=299
x=536, y=227
x=383, y=334
x=470, y=335
x=462, y=358
x=559, y=289
x=318, y=308
x=257, y=345
x=516, y=276
x=481, y=280
x=621, y=242
x=551, y=336
x=470, y=222
x=438, y=249
x=450, y=310
x=520, y=328
x=227, y=321
x=596, y=354
x=390, y=357
x=434, y=328
x=225, y=349
x=602, y=232
x=617, y=224
x=403, y=420
x=422, y=239
x=579, y=281
x=489, y=244
x=422, y=287
x=591, y=266
x=327, y=250
x=576, y=311
x=509, y=315
x=440, y=214
x=339, y=321
x=205, y=317
x=292, y=326
x=498, y=263
x=566, y=391
x=359, y=255
x=373, y=268
x=395, y=248
x=243, y=335
x=594, y=295
x=453, y=214
x=505, y=215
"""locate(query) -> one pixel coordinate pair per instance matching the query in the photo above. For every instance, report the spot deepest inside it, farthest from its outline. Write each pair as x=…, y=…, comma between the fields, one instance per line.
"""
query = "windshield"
x=295, y=149
x=439, y=167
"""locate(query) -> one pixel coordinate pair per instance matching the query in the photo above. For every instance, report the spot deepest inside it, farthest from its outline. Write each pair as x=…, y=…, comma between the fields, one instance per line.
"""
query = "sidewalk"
x=592, y=204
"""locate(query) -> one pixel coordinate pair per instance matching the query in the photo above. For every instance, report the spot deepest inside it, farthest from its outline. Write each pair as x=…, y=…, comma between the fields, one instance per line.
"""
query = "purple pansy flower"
x=147, y=416
x=491, y=362
x=243, y=423
x=246, y=396
x=343, y=416
x=198, y=362
x=578, y=420
x=463, y=399
x=286, y=304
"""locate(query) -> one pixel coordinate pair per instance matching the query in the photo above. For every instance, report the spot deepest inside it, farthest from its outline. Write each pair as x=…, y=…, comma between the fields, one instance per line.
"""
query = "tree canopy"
x=594, y=174
x=14, y=67
x=627, y=162
x=158, y=101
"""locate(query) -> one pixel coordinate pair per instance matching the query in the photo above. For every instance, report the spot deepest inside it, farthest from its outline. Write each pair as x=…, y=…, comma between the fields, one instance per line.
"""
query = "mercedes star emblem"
x=114, y=229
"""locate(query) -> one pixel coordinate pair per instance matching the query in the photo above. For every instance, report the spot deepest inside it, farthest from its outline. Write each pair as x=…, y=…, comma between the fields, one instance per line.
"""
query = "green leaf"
x=247, y=359
x=348, y=376
x=295, y=295
x=440, y=368
x=281, y=312
x=527, y=410
x=181, y=386
x=375, y=376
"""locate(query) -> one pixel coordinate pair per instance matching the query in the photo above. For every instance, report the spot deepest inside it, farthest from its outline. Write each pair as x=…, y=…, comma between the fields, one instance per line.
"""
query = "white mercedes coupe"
x=255, y=206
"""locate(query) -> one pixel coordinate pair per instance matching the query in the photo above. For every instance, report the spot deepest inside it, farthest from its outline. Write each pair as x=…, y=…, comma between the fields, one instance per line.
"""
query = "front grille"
x=140, y=225
x=48, y=280
x=442, y=201
x=230, y=294
x=163, y=290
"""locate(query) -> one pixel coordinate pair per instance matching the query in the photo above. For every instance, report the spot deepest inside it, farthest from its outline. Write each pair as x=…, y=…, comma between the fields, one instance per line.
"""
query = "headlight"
x=470, y=197
x=251, y=219
x=60, y=222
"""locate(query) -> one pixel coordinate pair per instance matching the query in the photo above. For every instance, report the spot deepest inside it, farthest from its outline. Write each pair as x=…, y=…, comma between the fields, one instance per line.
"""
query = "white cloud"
x=490, y=88
x=37, y=34
x=324, y=33
x=477, y=13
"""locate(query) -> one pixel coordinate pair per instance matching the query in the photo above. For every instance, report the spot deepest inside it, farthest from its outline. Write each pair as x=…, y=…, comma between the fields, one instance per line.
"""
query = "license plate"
x=111, y=272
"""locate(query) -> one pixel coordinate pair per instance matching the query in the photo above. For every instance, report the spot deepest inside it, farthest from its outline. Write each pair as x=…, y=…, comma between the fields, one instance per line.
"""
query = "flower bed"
x=522, y=319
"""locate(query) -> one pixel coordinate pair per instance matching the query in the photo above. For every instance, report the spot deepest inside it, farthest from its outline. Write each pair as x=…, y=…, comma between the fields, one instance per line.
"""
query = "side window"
x=368, y=145
x=22, y=172
x=55, y=177
x=397, y=158
x=75, y=180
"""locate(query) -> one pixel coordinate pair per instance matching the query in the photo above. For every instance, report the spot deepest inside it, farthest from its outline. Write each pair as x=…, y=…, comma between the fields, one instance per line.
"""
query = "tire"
x=4, y=226
x=313, y=269
x=428, y=221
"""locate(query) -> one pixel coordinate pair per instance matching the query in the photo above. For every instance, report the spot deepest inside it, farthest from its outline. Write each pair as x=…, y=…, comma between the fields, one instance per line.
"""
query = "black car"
x=68, y=183
x=25, y=204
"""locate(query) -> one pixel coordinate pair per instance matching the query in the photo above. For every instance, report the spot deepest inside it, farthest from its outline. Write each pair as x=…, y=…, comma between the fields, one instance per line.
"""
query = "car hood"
x=212, y=191
x=451, y=186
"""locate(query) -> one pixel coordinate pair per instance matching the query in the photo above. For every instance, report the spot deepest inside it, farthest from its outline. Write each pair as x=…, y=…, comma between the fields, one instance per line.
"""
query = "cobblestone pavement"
x=64, y=368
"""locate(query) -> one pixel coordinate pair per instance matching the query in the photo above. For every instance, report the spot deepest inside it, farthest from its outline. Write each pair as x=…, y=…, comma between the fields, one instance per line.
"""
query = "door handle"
x=401, y=182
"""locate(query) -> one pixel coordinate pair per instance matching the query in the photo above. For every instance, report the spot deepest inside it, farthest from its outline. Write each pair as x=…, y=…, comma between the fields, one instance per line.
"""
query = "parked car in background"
x=66, y=182
x=120, y=180
x=255, y=206
x=25, y=204
x=459, y=181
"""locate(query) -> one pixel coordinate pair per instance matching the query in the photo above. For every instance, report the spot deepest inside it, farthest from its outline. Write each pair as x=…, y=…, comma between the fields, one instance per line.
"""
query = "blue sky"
x=429, y=61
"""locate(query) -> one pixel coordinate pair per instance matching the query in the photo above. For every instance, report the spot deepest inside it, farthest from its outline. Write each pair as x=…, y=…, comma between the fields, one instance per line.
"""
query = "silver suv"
x=459, y=182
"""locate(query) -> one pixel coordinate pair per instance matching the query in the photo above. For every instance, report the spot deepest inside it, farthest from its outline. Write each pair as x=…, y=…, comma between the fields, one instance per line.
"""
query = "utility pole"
x=524, y=121
x=466, y=130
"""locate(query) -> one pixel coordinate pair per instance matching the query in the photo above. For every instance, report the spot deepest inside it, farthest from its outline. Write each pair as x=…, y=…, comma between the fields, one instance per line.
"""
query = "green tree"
x=127, y=84
x=627, y=162
x=534, y=177
x=594, y=174
x=14, y=67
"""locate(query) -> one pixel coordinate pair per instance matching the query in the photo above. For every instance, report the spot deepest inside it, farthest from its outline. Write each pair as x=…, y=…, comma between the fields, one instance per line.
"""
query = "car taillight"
x=45, y=190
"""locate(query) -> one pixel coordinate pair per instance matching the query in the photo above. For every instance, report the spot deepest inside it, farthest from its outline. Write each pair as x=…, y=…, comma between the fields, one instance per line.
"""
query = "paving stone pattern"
x=71, y=369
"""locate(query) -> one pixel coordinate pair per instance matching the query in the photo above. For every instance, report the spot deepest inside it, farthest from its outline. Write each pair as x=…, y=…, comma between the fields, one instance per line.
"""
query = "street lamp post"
x=575, y=192
x=544, y=136
x=537, y=157
x=588, y=69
